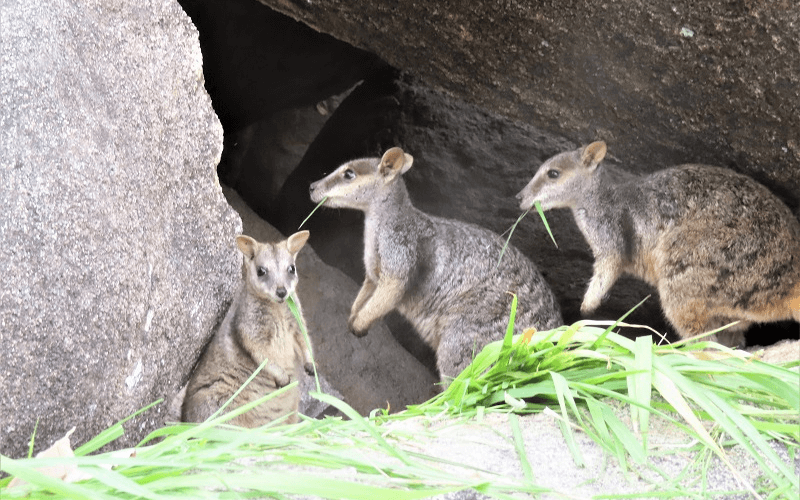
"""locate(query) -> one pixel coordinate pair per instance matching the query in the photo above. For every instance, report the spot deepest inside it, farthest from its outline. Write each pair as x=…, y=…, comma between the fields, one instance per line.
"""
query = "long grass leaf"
x=519, y=444
x=505, y=350
x=563, y=394
x=46, y=482
x=111, y=433
x=312, y=212
x=538, y=206
x=640, y=385
x=298, y=316
x=364, y=424
x=508, y=240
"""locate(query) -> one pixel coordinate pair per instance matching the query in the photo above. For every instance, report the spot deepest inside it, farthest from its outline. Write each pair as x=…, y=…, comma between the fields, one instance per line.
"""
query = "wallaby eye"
x=553, y=174
x=260, y=271
x=349, y=174
x=291, y=269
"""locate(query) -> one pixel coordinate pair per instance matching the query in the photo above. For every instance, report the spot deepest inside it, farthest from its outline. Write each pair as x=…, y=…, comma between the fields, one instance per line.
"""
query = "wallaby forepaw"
x=589, y=306
x=356, y=328
x=282, y=380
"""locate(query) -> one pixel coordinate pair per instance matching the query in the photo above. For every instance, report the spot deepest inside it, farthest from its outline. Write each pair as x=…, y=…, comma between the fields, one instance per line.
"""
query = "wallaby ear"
x=247, y=245
x=593, y=154
x=296, y=241
x=409, y=160
x=394, y=162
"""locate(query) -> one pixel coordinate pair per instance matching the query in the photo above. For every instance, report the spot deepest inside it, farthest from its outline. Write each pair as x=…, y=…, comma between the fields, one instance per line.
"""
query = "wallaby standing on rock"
x=258, y=326
x=441, y=274
x=717, y=245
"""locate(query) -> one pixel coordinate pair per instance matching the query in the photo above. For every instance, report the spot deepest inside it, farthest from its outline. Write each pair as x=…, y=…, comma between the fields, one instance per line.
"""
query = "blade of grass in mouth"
x=514, y=226
x=312, y=212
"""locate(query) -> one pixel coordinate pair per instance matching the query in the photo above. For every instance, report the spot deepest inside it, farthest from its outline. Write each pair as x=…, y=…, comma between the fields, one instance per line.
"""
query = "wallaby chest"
x=372, y=257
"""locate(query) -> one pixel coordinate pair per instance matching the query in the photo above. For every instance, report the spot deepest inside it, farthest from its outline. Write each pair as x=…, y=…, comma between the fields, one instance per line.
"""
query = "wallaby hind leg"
x=455, y=353
x=692, y=317
x=733, y=336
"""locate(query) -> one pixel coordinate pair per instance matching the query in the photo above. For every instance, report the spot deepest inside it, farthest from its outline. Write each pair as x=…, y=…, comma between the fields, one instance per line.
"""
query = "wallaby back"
x=717, y=245
x=258, y=326
x=443, y=275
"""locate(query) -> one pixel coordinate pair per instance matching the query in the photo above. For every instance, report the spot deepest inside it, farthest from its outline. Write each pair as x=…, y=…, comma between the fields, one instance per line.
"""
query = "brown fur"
x=718, y=246
x=259, y=326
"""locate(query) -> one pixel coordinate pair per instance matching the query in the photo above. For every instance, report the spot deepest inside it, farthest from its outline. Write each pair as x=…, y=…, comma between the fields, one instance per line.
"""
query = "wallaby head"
x=357, y=183
x=559, y=180
x=269, y=269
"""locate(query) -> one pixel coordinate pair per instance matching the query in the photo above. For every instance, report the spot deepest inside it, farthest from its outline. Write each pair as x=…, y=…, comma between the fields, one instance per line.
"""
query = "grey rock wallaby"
x=718, y=246
x=441, y=274
x=258, y=326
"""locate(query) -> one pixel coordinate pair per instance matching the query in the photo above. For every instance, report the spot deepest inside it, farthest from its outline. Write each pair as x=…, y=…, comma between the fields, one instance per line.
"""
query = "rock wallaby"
x=441, y=274
x=717, y=245
x=258, y=326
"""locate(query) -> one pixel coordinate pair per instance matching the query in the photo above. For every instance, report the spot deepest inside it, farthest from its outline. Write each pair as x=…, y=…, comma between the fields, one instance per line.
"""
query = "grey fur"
x=438, y=273
x=717, y=245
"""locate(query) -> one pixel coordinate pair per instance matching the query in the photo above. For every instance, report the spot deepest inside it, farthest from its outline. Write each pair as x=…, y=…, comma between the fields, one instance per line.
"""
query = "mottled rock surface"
x=663, y=83
x=116, y=242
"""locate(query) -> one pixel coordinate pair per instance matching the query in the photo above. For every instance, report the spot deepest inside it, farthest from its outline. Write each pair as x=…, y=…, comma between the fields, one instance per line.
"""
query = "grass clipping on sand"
x=717, y=395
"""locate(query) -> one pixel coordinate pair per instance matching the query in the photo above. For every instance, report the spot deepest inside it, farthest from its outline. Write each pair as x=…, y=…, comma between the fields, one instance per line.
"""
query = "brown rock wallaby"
x=258, y=326
x=441, y=274
x=717, y=245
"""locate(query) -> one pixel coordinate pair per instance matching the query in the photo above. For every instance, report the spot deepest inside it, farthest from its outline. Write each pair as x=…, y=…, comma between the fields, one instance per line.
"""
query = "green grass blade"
x=312, y=212
x=299, y=318
x=505, y=351
x=48, y=483
x=510, y=233
x=563, y=394
x=544, y=219
x=364, y=424
x=519, y=444
x=640, y=385
x=111, y=433
x=33, y=438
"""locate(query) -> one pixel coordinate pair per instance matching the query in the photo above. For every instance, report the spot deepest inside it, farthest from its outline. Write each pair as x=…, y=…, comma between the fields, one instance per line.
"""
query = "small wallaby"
x=718, y=246
x=442, y=275
x=258, y=326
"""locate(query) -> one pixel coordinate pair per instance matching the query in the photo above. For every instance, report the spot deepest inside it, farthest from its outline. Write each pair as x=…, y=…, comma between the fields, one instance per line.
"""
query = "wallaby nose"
x=281, y=293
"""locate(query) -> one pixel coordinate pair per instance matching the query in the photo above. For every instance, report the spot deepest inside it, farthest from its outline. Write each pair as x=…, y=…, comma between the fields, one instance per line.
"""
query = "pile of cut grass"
x=720, y=397
x=702, y=387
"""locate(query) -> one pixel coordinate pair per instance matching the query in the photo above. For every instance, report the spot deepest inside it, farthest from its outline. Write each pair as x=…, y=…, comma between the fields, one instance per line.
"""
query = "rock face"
x=276, y=61
x=117, y=249
x=715, y=82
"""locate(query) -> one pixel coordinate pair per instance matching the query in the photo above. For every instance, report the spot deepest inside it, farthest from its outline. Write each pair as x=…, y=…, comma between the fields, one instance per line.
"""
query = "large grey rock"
x=114, y=235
